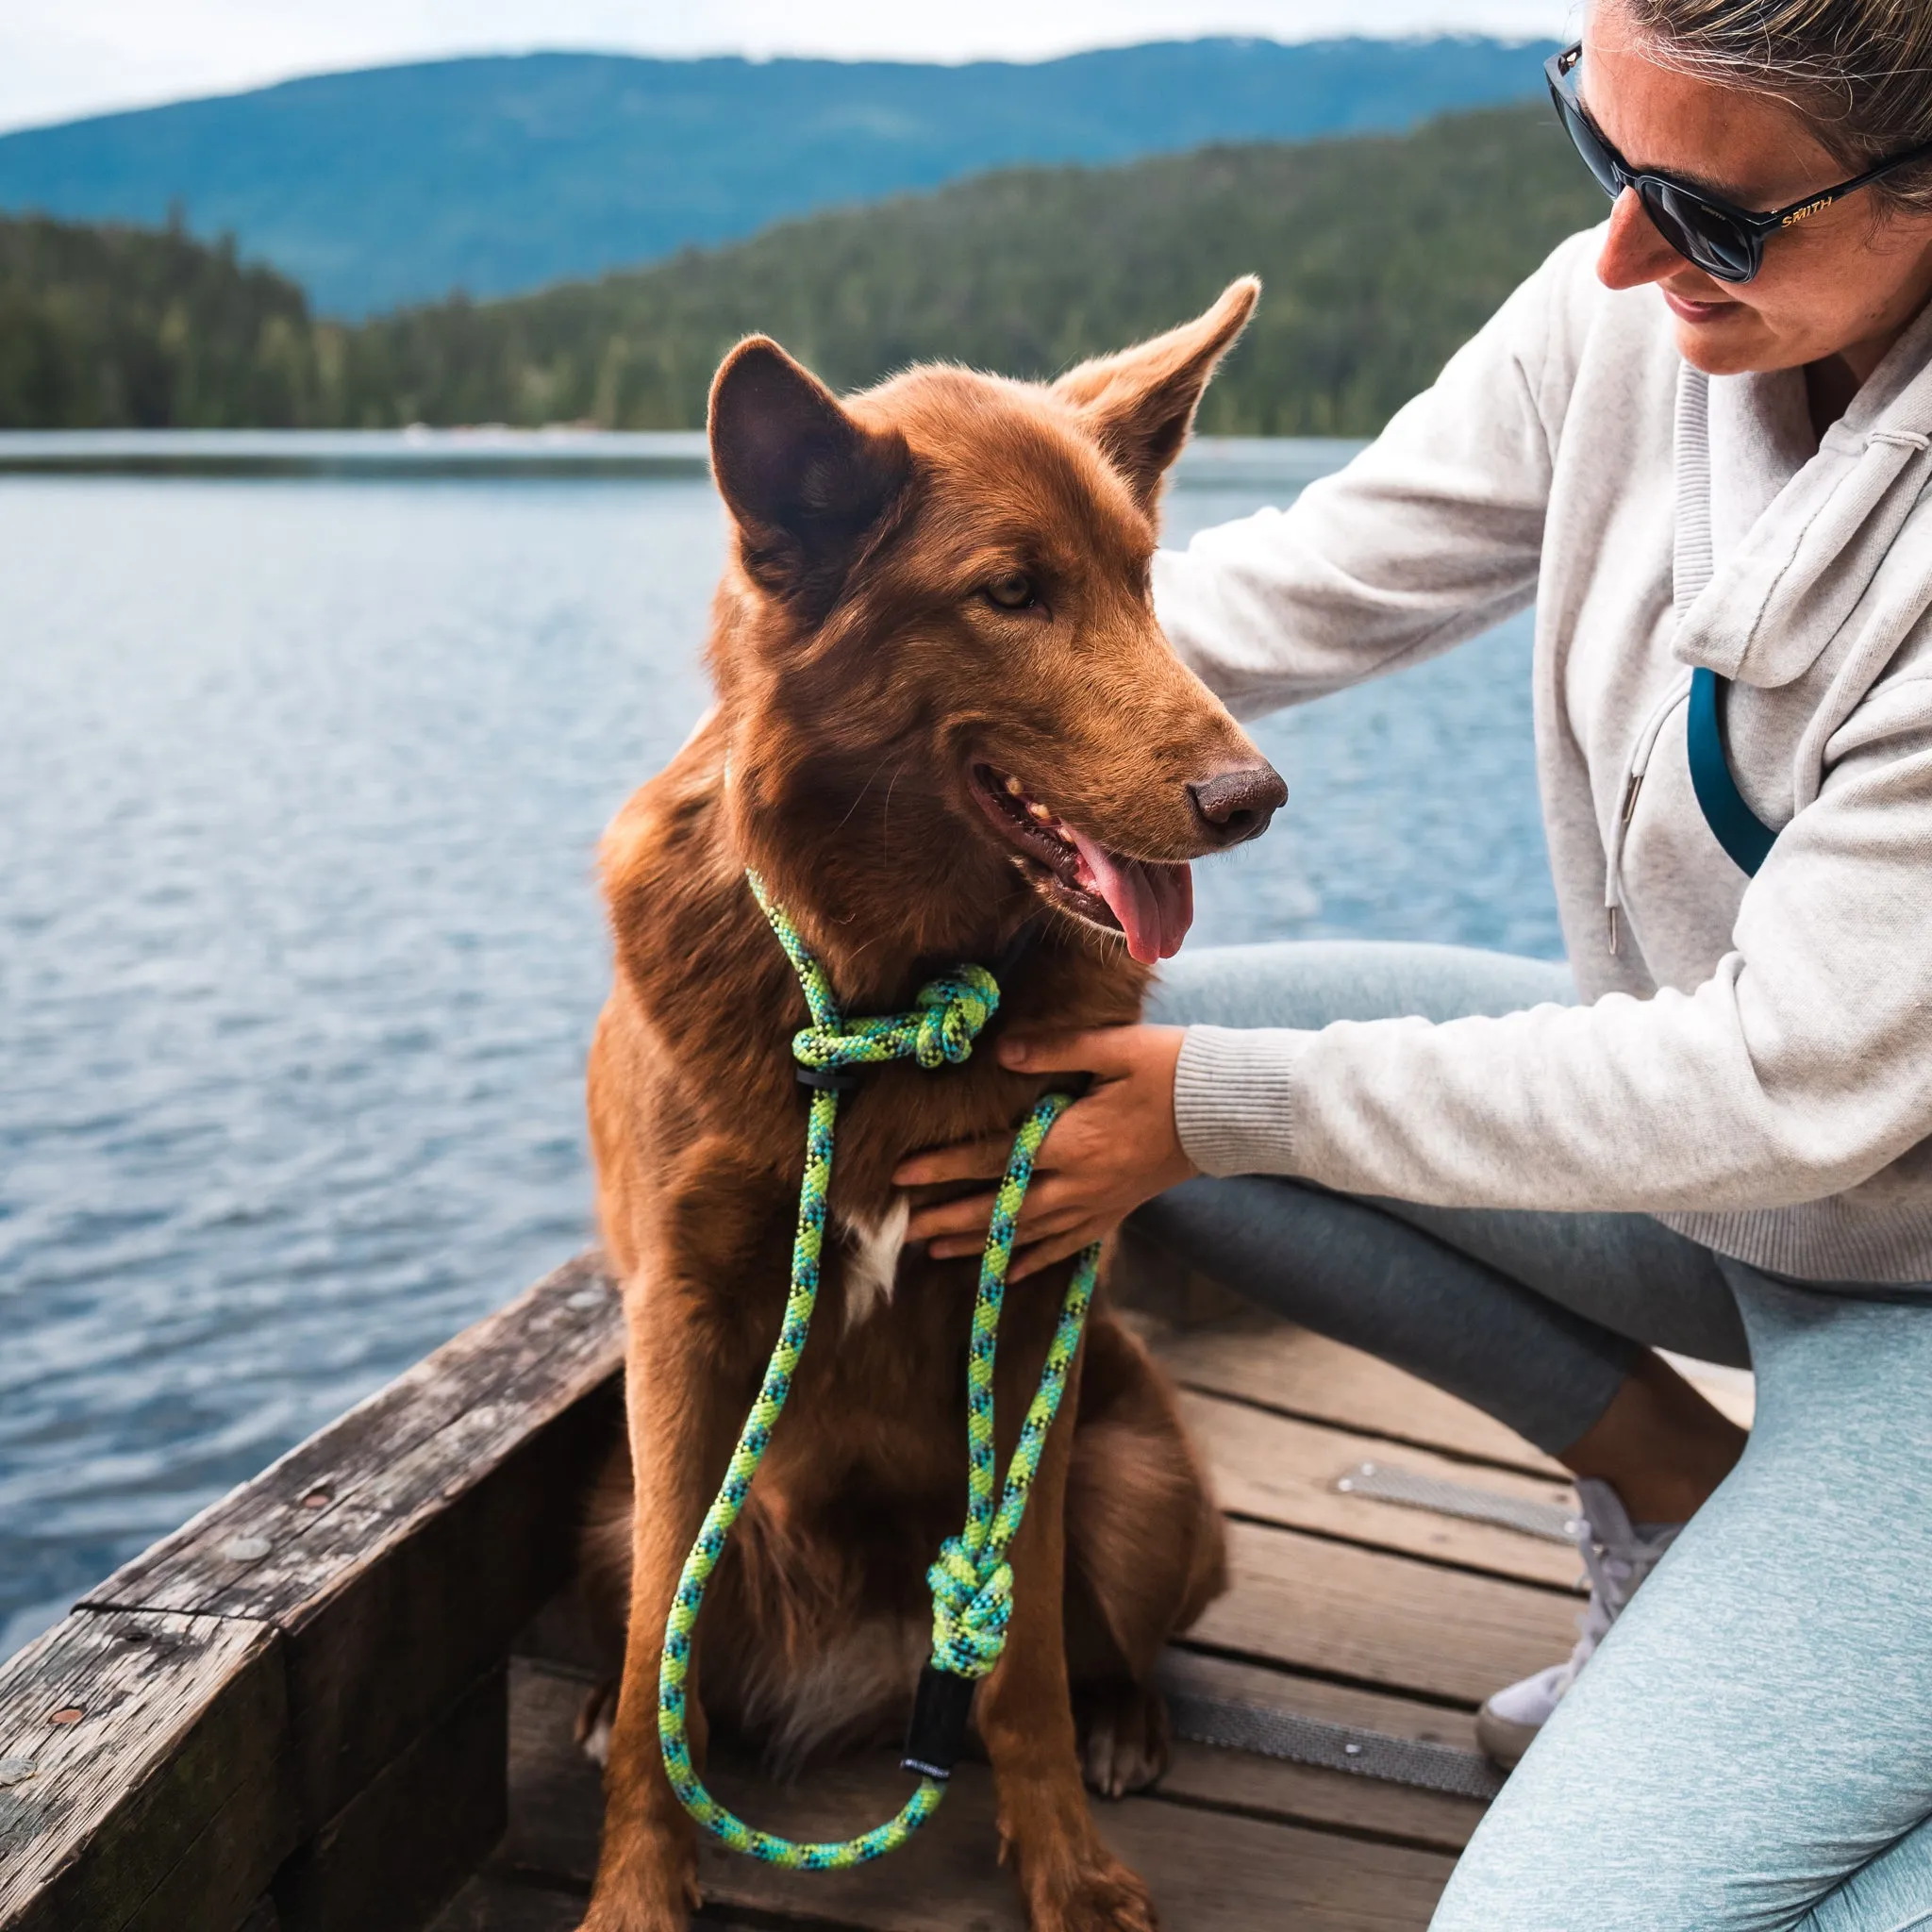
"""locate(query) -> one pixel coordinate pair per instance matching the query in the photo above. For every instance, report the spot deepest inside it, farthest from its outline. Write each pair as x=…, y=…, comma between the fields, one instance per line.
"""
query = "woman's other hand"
x=1106, y=1153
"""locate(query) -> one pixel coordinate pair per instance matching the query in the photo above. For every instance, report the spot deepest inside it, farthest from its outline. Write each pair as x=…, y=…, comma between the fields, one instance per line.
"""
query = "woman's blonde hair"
x=1860, y=71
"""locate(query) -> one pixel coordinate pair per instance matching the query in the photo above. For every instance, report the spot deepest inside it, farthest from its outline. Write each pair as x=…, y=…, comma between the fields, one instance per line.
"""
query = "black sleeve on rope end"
x=937, y=1734
x=829, y=1079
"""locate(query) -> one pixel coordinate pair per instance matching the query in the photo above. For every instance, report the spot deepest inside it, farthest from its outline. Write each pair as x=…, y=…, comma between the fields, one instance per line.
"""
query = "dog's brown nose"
x=1239, y=804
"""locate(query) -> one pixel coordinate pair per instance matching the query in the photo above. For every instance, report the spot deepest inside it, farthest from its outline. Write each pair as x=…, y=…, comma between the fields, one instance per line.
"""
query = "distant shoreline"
x=491, y=451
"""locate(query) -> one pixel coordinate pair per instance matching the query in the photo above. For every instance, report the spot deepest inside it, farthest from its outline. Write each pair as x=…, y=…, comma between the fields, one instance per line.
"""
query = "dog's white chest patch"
x=872, y=1258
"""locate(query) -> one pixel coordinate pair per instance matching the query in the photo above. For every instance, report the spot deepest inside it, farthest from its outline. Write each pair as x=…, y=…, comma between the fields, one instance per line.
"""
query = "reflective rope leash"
x=971, y=1582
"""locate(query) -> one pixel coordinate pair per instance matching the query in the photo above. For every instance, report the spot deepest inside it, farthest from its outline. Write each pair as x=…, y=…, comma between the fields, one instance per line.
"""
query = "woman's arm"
x=1801, y=1067
x=1430, y=536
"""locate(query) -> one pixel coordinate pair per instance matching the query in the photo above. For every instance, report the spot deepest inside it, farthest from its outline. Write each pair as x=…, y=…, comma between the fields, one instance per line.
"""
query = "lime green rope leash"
x=971, y=1582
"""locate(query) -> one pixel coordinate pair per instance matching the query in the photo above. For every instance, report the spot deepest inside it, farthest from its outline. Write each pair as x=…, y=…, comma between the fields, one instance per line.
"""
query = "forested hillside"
x=110, y=327
x=1380, y=255
x=496, y=174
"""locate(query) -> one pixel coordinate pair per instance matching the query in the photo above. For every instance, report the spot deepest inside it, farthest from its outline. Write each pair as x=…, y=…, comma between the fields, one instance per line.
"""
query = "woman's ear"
x=803, y=479
x=1139, y=405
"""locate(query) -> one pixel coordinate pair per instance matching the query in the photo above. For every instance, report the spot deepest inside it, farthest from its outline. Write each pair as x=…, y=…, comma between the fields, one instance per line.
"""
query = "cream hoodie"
x=1754, y=1062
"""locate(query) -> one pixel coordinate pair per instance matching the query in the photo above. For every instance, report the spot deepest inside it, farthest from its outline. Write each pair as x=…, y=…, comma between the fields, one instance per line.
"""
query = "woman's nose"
x=1634, y=252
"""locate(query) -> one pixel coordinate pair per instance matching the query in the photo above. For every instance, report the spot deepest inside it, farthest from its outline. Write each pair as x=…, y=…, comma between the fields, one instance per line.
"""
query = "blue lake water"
x=300, y=781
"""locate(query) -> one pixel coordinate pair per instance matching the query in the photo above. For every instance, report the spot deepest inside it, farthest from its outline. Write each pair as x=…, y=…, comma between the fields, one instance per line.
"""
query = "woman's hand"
x=1105, y=1156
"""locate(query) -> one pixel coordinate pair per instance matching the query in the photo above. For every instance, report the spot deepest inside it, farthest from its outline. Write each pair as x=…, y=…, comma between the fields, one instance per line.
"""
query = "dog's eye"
x=1013, y=591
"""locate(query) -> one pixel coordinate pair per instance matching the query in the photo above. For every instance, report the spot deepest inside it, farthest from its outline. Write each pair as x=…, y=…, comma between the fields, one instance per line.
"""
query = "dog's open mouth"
x=1150, y=903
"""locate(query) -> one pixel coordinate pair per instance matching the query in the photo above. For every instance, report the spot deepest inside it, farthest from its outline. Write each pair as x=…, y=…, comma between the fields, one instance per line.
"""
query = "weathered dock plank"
x=1251, y=1874
x=494, y=1901
x=412, y=1836
x=293, y=1707
x=1380, y=1618
x=1278, y=1469
x=1294, y=1373
x=1302, y=1375
x=398, y=1551
x=143, y=1782
x=1218, y=1872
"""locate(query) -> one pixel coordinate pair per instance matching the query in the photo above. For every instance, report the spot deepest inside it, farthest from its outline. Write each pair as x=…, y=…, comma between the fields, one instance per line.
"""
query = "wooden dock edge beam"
x=245, y=1728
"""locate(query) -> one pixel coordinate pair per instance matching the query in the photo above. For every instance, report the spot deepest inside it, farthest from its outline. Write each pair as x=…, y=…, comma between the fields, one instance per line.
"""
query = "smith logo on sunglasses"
x=1805, y=214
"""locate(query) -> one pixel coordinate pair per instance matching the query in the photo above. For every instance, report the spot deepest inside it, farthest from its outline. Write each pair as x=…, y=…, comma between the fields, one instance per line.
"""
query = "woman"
x=1698, y=440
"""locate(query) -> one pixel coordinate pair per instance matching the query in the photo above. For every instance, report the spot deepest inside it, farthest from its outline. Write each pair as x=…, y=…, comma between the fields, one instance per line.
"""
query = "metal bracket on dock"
x=1381, y=1483
x=1268, y=1732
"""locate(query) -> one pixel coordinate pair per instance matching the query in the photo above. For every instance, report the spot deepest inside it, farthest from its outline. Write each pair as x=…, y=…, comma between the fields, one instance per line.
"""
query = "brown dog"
x=945, y=710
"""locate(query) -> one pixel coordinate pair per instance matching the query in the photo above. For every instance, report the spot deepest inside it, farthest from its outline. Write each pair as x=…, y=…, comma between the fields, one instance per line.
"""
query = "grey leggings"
x=1750, y=1749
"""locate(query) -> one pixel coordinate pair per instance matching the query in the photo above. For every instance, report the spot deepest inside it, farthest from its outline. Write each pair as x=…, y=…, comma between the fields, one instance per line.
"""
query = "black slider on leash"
x=937, y=1734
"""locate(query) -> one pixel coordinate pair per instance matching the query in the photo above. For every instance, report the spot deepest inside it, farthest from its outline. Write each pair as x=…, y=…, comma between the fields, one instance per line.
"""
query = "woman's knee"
x=1893, y=1893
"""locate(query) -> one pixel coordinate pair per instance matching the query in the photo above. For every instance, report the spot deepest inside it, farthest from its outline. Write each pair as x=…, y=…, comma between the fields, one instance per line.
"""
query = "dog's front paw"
x=1103, y=1896
x=1123, y=1731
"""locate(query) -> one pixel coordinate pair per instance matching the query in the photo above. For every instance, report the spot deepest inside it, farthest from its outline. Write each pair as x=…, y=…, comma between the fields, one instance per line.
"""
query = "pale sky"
x=59, y=58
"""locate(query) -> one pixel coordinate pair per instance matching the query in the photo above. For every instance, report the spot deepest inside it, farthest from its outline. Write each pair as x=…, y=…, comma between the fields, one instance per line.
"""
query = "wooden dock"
x=343, y=1696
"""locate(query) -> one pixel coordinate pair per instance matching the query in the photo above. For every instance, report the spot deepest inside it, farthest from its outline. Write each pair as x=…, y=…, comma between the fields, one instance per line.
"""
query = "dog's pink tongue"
x=1154, y=904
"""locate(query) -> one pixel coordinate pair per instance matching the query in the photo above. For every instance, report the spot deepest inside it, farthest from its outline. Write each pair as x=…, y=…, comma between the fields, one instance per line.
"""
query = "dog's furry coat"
x=869, y=686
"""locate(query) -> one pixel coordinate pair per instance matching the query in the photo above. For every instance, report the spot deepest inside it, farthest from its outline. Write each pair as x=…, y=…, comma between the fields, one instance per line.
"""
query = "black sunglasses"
x=1723, y=239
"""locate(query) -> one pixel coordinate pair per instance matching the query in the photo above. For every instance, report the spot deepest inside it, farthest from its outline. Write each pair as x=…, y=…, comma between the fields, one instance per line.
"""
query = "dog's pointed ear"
x=803, y=479
x=1140, y=403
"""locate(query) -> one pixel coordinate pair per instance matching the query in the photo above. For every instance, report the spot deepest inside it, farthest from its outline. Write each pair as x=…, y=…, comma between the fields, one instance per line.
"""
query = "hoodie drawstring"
x=1633, y=782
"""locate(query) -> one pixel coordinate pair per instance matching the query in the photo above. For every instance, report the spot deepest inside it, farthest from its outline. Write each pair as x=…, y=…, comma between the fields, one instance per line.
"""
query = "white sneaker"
x=1617, y=1555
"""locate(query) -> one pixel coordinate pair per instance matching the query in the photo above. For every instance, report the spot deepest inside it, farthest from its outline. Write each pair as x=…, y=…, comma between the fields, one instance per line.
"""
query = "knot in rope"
x=971, y=1601
x=952, y=1011
x=949, y=1014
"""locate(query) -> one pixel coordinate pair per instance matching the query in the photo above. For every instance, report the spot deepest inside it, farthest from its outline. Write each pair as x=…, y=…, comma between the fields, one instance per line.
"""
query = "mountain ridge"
x=378, y=187
x=1379, y=255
